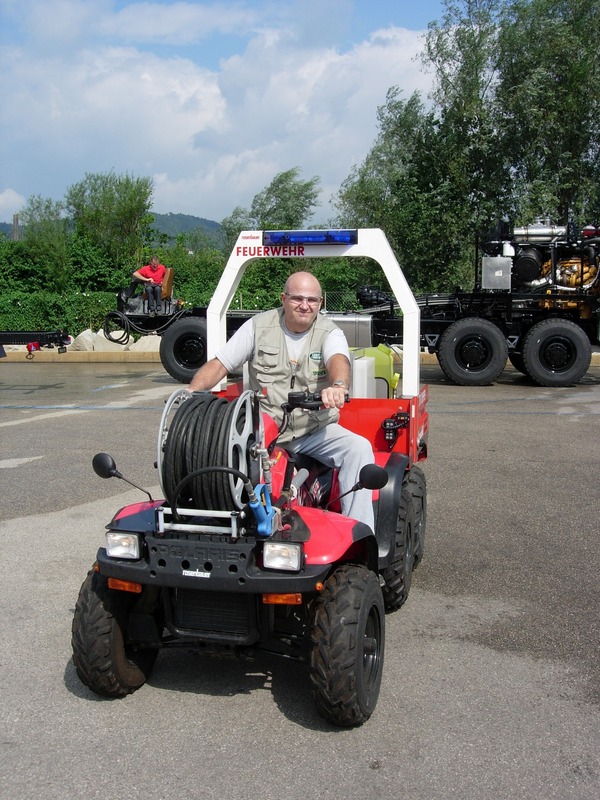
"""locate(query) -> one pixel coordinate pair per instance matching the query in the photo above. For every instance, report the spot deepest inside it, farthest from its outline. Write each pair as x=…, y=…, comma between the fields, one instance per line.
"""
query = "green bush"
x=73, y=312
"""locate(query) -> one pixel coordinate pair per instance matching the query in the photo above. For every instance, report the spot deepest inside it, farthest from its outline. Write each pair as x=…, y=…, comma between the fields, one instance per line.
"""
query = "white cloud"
x=10, y=203
x=210, y=136
x=176, y=23
x=59, y=21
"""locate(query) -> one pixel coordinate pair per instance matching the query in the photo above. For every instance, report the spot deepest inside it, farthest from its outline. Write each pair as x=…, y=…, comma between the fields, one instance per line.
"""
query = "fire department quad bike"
x=247, y=550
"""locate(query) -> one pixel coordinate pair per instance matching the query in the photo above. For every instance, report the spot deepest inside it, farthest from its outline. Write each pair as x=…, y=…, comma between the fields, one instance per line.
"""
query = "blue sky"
x=210, y=99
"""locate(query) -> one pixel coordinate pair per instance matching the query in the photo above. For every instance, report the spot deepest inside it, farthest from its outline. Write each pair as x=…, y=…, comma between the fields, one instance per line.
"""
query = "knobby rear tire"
x=398, y=575
x=417, y=486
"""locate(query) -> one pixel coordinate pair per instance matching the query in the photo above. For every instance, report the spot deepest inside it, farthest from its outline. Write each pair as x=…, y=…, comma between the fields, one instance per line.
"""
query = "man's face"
x=301, y=302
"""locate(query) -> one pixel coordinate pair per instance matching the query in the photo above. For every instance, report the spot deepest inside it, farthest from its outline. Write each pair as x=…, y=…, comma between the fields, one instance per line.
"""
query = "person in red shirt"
x=151, y=276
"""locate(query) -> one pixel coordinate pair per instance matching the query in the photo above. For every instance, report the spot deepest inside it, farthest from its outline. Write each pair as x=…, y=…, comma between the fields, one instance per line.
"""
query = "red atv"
x=249, y=551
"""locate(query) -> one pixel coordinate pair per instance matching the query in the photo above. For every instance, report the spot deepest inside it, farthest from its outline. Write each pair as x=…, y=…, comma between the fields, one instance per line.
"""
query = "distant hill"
x=169, y=224
x=174, y=224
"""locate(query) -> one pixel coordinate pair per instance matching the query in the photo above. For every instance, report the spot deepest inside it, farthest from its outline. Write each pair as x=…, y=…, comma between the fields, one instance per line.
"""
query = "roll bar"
x=369, y=243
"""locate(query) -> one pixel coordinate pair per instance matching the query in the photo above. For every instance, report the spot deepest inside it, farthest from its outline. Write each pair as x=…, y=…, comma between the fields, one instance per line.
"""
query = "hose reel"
x=205, y=432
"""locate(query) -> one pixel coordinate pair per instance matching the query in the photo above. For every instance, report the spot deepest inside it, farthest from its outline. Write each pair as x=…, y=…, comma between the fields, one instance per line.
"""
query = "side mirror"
x=372, y=476
x=104, y=466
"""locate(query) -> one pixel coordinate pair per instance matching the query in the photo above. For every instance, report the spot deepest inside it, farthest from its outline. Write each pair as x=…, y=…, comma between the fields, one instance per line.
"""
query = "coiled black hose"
x=118, y=321
x=198, y=440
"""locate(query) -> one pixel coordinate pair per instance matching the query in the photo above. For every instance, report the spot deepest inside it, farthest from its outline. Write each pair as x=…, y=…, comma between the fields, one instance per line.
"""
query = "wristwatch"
x=341, y=383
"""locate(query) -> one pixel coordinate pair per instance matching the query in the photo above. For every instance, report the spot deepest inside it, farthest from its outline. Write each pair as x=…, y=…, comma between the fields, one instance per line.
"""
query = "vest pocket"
x=267, y=357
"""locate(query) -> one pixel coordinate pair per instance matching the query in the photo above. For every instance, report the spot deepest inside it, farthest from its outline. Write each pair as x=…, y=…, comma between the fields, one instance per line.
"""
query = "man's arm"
x=207, y=376
x=338, y=372
x=137, y=274
x=235, y=352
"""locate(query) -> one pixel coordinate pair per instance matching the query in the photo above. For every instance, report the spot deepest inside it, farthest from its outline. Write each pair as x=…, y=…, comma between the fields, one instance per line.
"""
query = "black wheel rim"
x=558, y=354
x=473, y=353
x=409, y=555
x=371, y=648
x=190, y=351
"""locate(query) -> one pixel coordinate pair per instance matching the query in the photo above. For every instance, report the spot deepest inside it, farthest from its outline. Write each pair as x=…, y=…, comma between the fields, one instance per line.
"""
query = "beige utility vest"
x=272, y=374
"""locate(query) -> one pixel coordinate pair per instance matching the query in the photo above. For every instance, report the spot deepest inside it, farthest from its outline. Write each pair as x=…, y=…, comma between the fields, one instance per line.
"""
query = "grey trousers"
x=341, y=448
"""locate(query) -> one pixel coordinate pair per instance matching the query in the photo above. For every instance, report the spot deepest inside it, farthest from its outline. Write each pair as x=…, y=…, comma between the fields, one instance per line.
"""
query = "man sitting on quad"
x=294, y=348
x=151, y=277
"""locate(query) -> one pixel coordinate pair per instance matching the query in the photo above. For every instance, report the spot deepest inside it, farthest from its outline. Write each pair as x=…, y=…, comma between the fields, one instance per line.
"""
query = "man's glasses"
x=298, y=299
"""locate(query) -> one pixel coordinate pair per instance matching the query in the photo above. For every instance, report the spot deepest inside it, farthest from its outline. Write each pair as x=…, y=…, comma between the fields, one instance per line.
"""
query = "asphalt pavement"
x=491, y=685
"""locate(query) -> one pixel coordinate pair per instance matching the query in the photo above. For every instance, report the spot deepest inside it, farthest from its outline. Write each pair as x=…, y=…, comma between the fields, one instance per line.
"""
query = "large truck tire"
x=347, y=646
x=472, y=352
x=516, y=359
x=183, y=348
x=556, y=352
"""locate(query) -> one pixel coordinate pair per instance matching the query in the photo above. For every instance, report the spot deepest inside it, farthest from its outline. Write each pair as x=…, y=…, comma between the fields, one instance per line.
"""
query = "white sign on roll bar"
x=365, y=242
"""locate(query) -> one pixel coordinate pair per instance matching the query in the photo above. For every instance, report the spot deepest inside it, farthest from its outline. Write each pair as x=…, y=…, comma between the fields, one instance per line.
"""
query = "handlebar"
x=310, y=401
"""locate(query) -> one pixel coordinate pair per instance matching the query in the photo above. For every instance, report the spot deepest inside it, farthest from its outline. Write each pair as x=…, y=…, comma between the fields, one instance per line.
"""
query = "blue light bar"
x=310, y=237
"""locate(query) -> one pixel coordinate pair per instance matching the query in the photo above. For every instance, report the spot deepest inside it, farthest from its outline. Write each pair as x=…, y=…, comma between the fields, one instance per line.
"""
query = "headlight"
x=280, y=555
x=122, y=545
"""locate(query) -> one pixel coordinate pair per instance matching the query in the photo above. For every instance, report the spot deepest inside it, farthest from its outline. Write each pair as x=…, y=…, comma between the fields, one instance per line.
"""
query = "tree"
x=462, y=50
x=388, y=190
x=549, y=106
x=410, y=186
x=46, y=241
x=197, y=265
x=434, y=178
x=513, y=130
x=239, y=220
x=112, y=213
x=286, y=203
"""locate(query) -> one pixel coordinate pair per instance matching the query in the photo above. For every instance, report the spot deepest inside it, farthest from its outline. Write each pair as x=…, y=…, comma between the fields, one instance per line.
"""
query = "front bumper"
x=213, y=567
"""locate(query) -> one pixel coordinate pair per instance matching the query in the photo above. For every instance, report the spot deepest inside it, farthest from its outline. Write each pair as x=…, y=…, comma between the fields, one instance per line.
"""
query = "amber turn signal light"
x=282, y=599
x=124, y=586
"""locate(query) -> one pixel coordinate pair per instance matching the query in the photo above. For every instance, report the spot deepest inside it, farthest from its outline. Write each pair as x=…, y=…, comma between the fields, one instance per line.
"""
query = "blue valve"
x=263, y=510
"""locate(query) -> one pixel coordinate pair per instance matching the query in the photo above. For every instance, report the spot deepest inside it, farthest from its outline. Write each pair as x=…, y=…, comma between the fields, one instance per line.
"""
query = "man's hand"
x=338, y=375
x=207, y=376
x=334, y=396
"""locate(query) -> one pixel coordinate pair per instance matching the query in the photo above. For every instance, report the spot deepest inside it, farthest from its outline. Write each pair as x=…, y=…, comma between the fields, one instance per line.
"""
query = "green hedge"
x=73, y=312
